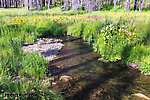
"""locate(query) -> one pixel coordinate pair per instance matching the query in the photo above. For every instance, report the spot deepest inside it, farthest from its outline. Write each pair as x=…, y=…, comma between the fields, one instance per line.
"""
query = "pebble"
x=49, y=47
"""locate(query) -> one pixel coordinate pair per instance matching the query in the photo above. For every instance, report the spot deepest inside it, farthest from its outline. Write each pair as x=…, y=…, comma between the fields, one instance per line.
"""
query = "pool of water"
x=93, y=79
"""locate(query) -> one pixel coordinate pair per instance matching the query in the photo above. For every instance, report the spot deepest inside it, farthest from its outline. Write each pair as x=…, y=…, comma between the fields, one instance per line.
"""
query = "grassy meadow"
x=115, y=36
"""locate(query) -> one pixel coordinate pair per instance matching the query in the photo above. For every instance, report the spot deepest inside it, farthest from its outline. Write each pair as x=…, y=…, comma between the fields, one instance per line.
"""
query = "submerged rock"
x=141, y=96
x=65, y=78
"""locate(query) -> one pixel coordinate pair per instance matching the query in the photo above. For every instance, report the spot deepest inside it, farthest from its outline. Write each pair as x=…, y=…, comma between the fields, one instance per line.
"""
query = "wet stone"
x=65, y=78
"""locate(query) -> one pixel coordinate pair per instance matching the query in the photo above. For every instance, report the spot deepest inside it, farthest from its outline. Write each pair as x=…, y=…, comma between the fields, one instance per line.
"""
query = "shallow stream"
x=93, y=79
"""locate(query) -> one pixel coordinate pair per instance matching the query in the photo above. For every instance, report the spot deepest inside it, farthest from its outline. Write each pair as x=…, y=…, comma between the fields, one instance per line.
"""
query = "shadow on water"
x=67, y=69
x=93, y=79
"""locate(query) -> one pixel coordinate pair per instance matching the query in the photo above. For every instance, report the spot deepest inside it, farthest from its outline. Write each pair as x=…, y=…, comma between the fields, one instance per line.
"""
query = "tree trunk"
x=27, y=4
x=143, y=4
x=0, y=4
x=127, y=5
x=140, y=5
x=121, y=3
x=48, y=4
x=51, y=2
x=43, y=3
x=83, y=4
x=90, y=5
x=135, y=5
x=39, y=4
x=5, y=3
x=12, y=2
x=15, y=4
x=75, y=5
x=115, y=7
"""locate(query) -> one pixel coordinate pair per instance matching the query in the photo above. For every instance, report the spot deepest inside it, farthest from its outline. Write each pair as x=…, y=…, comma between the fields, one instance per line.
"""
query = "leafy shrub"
x=136, y=54
x=145, y=67
x=76, y=30
x=21, y=89
x=44, y=29
x=33, y=65
x=60, y=31
x=51, y=28
x=31, y=9
x=30, y=39
x=90, y=31
x=44, y=8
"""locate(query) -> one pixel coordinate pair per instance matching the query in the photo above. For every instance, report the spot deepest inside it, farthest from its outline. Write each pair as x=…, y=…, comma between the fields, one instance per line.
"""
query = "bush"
x=136, y=54
x=51, y=28
x=76, y=30
x=29, y=27
x=30, y=39
x=32, y=9
x=90, y=31
x=114, y=41
x=44, y=29
x=145, y=67
x=33, y=65
x=60, y=31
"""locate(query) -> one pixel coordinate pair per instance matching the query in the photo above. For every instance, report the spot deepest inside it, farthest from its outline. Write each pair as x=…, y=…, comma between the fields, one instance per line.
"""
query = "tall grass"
x=14, y=62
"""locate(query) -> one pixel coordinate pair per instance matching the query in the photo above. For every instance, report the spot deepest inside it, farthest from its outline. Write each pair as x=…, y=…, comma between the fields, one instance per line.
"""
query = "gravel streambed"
x=49, y=47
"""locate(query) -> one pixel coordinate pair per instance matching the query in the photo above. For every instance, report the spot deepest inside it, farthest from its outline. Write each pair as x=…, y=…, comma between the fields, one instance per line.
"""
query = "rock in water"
x=65, y=78
x=141, y=96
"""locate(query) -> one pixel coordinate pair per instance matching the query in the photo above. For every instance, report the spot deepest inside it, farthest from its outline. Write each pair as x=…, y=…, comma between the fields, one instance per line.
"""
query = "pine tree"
x=48, y=4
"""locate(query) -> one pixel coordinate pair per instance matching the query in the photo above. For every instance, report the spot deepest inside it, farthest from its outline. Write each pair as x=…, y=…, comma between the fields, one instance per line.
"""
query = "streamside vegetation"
x=115, y=36
x=122, y=39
